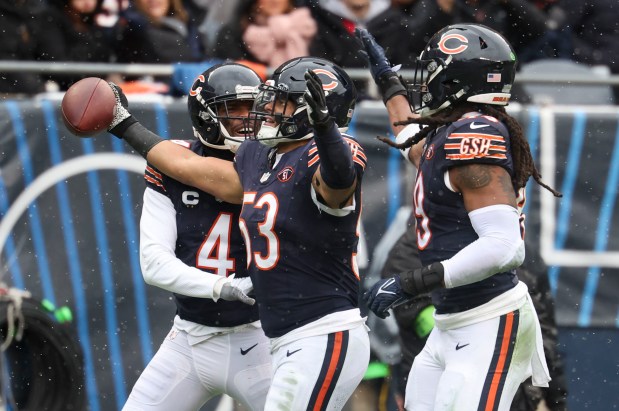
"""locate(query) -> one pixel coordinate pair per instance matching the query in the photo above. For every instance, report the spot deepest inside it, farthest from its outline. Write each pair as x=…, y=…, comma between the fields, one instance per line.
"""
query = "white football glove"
x=120, y=110
x=234, y=289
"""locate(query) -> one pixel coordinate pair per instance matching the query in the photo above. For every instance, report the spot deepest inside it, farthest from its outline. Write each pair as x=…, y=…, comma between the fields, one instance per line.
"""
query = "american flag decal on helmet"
x=493, y=78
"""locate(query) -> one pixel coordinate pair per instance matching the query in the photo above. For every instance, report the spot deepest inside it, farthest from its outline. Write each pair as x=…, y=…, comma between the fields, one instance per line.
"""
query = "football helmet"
x=462, y=62
x=210, y=108
x=280, y=110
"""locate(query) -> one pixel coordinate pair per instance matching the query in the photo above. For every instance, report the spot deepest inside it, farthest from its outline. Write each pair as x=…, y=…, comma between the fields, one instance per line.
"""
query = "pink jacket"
x=283, y=37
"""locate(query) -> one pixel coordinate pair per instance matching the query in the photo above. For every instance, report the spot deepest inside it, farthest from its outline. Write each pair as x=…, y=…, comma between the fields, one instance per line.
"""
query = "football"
x=88, y=107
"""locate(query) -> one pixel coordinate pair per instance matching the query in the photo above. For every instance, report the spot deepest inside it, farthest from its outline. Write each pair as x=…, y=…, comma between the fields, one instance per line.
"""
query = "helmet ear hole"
x=451, y=86
x=482, y=44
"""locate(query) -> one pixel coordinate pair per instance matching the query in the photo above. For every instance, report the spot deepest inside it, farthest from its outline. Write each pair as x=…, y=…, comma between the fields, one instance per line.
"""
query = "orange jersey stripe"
x=471, y=156
x=153, y=172
x=313, y=161
x=154, y=181
x=476, y=135
x=360, y=162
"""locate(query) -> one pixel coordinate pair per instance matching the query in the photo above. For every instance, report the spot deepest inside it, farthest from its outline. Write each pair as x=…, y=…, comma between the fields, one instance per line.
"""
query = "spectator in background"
x=25, y=29
x=197, y=13
x=157, y=31
x=524, y=23
x=594, y=31
x=78, y=35
x=109, y=13
x=337, y=20
x=417, y=21
x=269, y=32
x=218, y=13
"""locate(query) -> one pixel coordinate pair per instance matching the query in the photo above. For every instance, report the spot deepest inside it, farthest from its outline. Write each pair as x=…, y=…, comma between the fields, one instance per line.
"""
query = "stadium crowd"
x=269, y=32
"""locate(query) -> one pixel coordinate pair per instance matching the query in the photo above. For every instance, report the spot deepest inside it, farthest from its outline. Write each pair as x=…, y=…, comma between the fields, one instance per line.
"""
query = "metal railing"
x=7, y=66
x=359, y=74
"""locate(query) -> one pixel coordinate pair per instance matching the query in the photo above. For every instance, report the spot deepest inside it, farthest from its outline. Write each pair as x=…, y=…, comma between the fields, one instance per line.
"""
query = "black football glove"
x=373, y=53
x=122, y=118
x=391, y=292
x=384, y=295
x=387, y=80
x=317, y=109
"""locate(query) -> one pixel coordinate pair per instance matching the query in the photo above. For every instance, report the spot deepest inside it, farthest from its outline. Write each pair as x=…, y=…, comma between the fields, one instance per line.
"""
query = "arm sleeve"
x=160, y=267
x=404, y=134
x=499, y=247
x=337, y=165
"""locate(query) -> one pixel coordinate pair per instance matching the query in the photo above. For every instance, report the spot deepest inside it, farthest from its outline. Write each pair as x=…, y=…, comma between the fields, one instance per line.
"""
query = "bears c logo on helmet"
x=195, y=90
x=442, y=45
x=327, y=86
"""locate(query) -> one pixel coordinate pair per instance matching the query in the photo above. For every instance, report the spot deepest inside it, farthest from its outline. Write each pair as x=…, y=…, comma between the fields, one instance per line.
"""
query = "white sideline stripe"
x=547, y=199
x=60, y=173
x=574, y=258
x=552, y=256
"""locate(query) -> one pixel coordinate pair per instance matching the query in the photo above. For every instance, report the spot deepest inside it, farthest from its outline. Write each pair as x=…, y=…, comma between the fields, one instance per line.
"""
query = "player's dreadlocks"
x=524, y=167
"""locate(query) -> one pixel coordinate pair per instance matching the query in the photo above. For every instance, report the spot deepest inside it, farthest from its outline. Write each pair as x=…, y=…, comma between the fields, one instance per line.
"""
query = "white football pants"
x=318, y=373
x=182, y=377
x=473, y=368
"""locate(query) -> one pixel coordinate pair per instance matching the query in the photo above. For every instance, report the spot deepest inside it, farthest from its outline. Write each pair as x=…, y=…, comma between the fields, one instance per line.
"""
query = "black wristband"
x=423, y=280
x=390, y=85
x=121, y=128
x=324, y=125
x=140, y=138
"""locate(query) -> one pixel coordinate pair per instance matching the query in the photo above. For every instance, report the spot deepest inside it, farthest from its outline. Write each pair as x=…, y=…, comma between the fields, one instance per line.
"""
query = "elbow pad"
x=499, y=247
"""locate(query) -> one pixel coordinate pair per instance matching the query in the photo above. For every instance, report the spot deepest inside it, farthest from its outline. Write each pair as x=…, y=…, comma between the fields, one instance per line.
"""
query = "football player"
x=473, y=161
x=299, y=180
x=191, y=245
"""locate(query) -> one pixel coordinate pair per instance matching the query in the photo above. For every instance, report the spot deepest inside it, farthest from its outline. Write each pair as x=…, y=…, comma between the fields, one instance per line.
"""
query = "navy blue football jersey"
x=208, y=237
x=443, y=225
x=302, y=260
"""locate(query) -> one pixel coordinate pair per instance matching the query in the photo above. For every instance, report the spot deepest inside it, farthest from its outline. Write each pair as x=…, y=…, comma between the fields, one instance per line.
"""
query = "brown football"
x=88, y=107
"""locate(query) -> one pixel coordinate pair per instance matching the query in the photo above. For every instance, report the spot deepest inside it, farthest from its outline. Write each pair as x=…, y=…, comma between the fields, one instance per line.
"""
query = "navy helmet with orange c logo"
x=280, y=107
x=462, y=62
x=210, y=98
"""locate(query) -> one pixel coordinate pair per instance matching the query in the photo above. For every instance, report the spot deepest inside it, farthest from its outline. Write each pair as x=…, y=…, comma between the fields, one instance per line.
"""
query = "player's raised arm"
x=336, y=178
x=215, y=176
x=393, y=93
